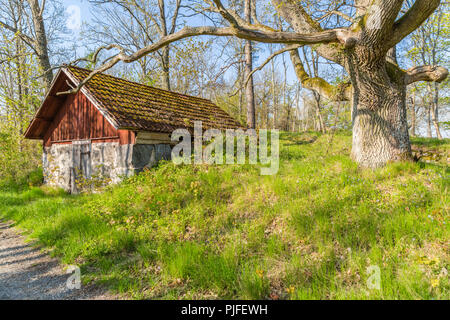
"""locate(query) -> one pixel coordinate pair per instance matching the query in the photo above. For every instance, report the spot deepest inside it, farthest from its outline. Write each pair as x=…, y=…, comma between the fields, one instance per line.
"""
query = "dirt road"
x=27, y=273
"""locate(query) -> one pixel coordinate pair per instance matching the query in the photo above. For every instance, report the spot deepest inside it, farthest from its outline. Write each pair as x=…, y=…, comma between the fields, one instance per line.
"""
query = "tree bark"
x=320, y=123
x=274, y=100
x=429, y=110
x=392, y=55
x=41, y=45
x=317, y=97
x=380, y=127
x=165, y=56
x=435, y=110
x=413, y=114
x=429, y=134
x=249, y=89
x=165, y=61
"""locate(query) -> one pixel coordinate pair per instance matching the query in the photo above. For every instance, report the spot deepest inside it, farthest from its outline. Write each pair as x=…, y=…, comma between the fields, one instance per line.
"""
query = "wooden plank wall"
x=79, y=119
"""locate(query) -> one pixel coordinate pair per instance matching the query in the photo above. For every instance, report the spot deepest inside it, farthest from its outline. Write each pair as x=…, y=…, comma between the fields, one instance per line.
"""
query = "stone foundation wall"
x=110, y=161
x=56, y=164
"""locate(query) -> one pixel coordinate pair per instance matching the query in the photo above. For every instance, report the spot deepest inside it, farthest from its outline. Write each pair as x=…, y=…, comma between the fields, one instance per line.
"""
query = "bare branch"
x=337, y=13
x=272, y=56
x=226, y=14
x=30, y=41
x=326, y=36
x=412, y=19
x=42, y=8
x=175, y=17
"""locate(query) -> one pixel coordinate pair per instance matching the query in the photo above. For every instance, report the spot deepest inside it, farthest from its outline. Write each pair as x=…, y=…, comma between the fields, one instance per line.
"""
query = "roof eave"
x=32, y=122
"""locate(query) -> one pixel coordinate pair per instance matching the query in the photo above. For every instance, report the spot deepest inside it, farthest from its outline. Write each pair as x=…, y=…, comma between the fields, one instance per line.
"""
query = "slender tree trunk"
x=429, y=134
x=320, y=122
x=274, y=101
x=380, y=127
x=41, y=45
x=165, y=57
x=166, y=68
x=249, y=90
x=435, y=110
x=429, y=111
x=241, y=96
x=413, y=114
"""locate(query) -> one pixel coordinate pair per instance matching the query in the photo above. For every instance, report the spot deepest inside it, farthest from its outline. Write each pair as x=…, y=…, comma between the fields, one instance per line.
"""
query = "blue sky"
x=85, y=15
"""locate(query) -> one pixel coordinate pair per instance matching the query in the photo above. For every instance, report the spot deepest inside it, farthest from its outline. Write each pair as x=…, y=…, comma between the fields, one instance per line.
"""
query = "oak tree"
x=377, y=86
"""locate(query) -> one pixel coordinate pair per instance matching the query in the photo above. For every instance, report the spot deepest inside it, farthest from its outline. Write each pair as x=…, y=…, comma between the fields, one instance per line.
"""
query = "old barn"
x=112, y=127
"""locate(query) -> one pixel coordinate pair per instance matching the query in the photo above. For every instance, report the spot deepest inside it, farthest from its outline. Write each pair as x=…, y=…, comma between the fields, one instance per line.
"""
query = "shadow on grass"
x=429, y=142
x=301, y=142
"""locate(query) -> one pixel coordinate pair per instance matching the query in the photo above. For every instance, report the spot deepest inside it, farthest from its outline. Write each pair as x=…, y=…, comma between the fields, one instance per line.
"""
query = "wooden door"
x=81, y=163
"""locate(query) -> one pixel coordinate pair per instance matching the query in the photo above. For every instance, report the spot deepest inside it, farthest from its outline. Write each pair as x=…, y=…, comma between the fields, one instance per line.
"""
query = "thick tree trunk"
x=380, y=127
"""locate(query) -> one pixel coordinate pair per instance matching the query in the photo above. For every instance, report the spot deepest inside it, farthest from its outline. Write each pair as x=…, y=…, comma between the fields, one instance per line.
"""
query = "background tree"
x=249, y=89
x=30, y=43
x=33, y=21
x=430, y=46
x=134, y=24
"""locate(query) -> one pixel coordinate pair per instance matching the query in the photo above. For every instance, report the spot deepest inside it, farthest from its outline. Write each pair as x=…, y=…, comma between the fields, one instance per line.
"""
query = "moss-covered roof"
x=136, y=106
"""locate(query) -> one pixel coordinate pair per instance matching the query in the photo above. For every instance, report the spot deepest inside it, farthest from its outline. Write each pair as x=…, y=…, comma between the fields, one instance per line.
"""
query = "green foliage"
x=309, y=232
x=19, y=161
x=96, y=182
x=20, y=94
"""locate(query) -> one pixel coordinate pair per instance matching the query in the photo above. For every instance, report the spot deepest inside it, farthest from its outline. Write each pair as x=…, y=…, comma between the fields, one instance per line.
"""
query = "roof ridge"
x=137, y=83
x=132, y=104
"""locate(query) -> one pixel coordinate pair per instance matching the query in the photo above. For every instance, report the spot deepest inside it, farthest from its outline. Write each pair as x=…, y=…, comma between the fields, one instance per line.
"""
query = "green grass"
x=309, y=232
x=431, y=142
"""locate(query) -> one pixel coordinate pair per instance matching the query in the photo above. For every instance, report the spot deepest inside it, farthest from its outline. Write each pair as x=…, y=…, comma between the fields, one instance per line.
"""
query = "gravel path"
x=27, y=273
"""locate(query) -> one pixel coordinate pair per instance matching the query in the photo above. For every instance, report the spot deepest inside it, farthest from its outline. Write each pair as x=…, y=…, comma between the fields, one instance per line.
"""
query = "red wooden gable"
x=125, y=105
x=79, y=119
x=62, y=119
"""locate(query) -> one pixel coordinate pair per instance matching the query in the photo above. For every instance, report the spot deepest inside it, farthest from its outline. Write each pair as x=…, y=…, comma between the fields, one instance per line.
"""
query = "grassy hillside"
x=309, y=232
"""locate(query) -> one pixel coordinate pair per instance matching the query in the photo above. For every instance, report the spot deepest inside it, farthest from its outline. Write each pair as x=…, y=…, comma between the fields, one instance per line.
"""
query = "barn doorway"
x=81, y=164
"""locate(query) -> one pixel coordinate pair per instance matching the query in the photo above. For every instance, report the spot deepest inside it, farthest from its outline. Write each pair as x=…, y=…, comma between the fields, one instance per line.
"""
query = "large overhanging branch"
x=295, y=14
x=326, y=36
x=426, y=73
x=412, y=19
x=333, y=93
